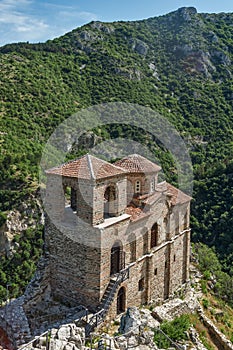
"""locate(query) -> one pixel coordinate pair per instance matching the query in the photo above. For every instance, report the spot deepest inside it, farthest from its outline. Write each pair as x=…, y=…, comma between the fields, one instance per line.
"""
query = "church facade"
x=115, y=237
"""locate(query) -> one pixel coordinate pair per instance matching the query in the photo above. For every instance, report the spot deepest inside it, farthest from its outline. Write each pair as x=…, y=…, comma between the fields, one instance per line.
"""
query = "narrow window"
x=165, y=264
x=109, y=201
x=174, y=258
x=138, y=186
x=145, y=242
x=177, y=223
x=186, y=220
x=133, y=247
x=155, y=271
x=70, y=197
x=154, y=236
x=141, y=285
x=152, y=185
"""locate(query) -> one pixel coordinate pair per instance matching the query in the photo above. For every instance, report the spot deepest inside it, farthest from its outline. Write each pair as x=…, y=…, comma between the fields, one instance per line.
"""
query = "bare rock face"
x=106, y=28
x=195, y=339
x=136, y=329
x=135, y=320
x=67, y=337
x=13, y=320
x=139, y=46
x=27, y=215
x=222, y=57
x=176, y=307
x=130, y=321
x=186, y=13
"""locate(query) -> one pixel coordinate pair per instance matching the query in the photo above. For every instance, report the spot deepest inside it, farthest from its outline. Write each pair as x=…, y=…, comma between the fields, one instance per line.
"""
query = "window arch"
x=137, y=186
x=154, y=235
x=109, y=201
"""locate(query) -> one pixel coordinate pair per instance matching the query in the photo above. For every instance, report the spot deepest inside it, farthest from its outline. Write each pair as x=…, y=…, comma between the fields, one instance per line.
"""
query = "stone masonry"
x=104, y=221
x=118, y=216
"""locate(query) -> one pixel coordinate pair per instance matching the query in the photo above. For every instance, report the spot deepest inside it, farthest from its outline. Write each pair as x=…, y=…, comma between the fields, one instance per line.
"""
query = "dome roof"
x=135, y=163
x=87, y=167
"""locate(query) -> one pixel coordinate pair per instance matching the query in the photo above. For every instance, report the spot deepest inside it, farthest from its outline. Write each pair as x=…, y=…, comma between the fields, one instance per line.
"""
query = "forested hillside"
x=179, y=64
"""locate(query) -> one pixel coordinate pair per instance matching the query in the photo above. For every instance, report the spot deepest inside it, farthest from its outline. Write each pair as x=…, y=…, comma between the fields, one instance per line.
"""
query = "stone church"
x=115, y=237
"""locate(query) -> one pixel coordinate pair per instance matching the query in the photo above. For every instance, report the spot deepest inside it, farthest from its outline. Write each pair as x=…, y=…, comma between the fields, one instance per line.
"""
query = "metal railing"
x=98, y=317
x=81, y=312
x=164, y=340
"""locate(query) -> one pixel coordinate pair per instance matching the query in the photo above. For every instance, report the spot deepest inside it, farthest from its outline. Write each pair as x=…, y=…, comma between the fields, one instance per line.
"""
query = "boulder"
x=130, y=321
x=63, y=333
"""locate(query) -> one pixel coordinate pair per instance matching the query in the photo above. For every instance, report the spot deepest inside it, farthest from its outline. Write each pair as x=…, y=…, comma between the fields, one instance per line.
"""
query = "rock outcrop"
x=28, y=215
x=67, y=337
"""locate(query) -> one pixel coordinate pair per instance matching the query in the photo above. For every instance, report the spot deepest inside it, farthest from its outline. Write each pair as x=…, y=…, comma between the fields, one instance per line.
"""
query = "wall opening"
x=137, y=187
x=145, y=242
x=133, y=247
x=152, y=185
x=186, y=220
x=141, y=284
x=110, y=201
x=70, y=197
x=154, y=235
x=121, y=301
x=177, y=223
x=117, y=258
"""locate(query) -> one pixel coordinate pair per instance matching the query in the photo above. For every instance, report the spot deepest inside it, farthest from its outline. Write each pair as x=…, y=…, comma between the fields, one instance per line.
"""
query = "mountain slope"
x=179, y=64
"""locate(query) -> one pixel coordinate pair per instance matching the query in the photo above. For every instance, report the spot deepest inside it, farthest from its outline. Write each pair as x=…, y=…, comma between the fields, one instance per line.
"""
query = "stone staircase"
x=106, y=300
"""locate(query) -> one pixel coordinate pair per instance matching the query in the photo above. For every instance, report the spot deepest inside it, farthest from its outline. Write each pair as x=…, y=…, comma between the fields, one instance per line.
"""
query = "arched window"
x=137, y=186
x=154, y=236
x=109, y=201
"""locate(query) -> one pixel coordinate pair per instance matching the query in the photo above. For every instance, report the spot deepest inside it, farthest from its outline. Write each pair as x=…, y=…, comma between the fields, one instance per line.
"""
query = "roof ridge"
x=89, y=163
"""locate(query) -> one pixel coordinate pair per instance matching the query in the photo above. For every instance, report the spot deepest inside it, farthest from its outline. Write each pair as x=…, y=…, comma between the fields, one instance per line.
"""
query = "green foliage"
x=16, y=271
x=161, y=341
x=185, y=75
x=208, y=260
x=175, y=330
x=210, y=266
x=205, y=303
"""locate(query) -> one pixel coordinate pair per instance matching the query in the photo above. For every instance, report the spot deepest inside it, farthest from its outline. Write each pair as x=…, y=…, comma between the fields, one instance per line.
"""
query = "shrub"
x=176, y=329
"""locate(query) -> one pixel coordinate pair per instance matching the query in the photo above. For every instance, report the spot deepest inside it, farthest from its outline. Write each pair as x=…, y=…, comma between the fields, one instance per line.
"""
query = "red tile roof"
x=164, y=188
x=87, y=167
x=135, y=163
x=135, y=212
x=177, y=196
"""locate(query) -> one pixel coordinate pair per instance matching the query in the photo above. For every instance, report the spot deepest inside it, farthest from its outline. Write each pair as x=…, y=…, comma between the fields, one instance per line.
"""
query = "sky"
x=41, y=20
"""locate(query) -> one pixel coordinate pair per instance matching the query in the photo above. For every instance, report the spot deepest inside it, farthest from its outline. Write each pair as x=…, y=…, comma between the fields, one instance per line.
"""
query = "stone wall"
x=163, y=268
x=74, y=262
x=145, y=184
x=79, y=244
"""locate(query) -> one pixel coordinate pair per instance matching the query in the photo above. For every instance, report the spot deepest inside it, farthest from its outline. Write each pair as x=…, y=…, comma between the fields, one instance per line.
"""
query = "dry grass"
x=220, y=314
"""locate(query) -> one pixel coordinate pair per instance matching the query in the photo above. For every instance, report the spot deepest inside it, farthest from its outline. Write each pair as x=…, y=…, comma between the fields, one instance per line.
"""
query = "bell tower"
x=80, y=195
